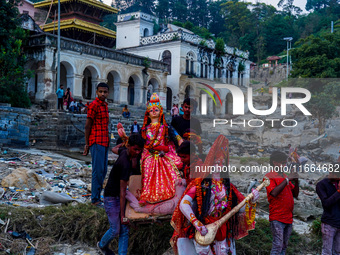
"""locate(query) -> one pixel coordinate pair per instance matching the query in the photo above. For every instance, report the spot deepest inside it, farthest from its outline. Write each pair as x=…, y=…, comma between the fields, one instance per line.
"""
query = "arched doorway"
x=166, y=58
x=88, y=88
x=113, y=81
x=131, y=91
x=229, y=104
x=200, y=100
x=32, y=82
x=168, y=98
x=87, y=84
x=146, y=32
x=217, y=106
x=110, y=83
x=189, y=92
x=66, y=75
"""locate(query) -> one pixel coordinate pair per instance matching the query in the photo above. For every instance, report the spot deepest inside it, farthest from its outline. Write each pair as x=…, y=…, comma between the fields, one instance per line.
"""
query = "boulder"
x=333, y=135
x=24, y=178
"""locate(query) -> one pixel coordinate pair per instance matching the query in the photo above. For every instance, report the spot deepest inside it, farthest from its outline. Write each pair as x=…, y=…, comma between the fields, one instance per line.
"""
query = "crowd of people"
x=68, y=103
x=163, y=153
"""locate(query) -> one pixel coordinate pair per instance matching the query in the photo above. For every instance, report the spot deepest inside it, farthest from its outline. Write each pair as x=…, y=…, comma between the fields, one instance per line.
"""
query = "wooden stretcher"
x=135, y=186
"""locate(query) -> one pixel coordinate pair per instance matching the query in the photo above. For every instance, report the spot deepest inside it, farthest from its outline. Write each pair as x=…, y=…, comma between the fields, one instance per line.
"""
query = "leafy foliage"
x=319, y=57
x=12, y=60
x=258, y=28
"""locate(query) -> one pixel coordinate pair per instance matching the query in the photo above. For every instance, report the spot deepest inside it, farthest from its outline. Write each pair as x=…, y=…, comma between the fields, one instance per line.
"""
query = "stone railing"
x=136, y=15
x=48, y=40
x=191, y=38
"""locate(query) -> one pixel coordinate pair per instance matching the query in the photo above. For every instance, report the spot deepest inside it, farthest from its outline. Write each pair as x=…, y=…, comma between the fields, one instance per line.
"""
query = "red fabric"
x=182, y=227
x=280, y=207
x=99, y=113
x=221, y=232
x=161, y=148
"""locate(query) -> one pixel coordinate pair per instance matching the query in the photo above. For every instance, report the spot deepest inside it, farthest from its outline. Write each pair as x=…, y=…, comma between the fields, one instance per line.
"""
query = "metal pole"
x=287, y=58
x=58, y=48
x=332, y=27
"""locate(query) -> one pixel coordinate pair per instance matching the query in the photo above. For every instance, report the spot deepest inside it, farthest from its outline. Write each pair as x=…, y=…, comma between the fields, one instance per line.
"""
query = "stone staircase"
x=137, y=113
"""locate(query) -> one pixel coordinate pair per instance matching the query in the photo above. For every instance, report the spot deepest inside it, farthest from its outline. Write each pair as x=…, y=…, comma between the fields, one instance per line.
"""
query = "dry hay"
x=43, y=245
x=18, y=246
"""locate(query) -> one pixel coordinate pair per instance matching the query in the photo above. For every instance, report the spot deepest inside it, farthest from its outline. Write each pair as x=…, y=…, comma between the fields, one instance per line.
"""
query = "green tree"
x=238, y=18
x=198, y=12
x=12, y=60
x=289, y=7
x=216, y=24
x=179, y=10
x=163, y=9
x=275, y=29
x=319, y=57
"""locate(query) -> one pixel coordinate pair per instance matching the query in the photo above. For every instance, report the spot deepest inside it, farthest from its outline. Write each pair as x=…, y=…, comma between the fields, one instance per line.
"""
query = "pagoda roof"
x=81, y=25
x=272, y=58
x=94, y=3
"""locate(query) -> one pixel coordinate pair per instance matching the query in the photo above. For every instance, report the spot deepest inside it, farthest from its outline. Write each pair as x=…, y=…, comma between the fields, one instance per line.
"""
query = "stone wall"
x=64, y=131
x=57, y=130
x=271, y=75
x=14, y=126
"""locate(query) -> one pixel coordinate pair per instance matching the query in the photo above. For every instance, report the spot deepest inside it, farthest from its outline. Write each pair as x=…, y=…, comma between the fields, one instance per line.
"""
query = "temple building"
x=193, y=65
x=79, y=20
x=86, y=57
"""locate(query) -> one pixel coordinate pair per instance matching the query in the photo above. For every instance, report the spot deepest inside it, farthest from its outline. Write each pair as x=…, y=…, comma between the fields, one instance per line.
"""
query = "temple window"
x=166, y=58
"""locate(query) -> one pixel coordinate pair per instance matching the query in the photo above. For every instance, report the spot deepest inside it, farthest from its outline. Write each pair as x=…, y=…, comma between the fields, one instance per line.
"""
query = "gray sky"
x=300, y=3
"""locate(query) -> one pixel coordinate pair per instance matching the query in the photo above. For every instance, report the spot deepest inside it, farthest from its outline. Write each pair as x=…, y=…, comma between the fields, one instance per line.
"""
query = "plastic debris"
x=50, y=198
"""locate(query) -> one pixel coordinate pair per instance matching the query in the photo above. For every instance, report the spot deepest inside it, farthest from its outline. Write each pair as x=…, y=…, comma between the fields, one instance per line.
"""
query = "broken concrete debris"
x=39, y=180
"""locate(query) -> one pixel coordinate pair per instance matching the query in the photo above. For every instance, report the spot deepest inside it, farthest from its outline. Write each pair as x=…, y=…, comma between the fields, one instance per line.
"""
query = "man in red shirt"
x=97, y=140
x=280, y=195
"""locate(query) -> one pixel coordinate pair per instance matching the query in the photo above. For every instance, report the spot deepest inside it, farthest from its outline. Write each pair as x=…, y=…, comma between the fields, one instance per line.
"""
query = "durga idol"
x=159, y=161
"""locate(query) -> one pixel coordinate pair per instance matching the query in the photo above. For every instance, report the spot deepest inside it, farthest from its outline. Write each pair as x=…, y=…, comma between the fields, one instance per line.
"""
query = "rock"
x=324, y=142
x=305, y=209
x=24, y=178
x=316, y=151
x=308, y=135
x=333, y=135
x=46, y=158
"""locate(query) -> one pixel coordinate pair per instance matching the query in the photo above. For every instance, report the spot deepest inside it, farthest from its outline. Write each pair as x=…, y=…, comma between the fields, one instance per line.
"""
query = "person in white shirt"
x=135, y=128
x=73, y=106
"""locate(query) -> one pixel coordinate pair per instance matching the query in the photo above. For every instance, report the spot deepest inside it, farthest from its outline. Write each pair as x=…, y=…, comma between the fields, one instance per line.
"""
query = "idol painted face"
x=154, y=112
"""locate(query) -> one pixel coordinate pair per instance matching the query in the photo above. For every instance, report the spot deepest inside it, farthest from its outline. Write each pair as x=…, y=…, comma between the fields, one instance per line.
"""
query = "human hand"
x=293, y=176
x=86, y=150
x=256, y=195
x=200, y=228
x=124, y=221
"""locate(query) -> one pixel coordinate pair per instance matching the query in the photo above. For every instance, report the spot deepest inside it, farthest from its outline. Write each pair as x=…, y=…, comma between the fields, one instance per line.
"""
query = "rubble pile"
x=39, y=180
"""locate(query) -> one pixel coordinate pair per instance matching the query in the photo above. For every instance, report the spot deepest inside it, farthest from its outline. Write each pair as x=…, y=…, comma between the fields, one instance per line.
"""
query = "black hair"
x=136, y=139
x=277, y=156
x=102, y=85
x=119, y=140
x=334, y=168
x=186, y=147
x=207, y=183
x=188, y=101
